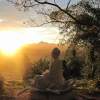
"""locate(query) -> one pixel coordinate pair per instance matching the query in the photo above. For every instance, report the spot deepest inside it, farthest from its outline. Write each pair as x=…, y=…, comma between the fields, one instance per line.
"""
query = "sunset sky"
x=14, y=34
x=12, y=20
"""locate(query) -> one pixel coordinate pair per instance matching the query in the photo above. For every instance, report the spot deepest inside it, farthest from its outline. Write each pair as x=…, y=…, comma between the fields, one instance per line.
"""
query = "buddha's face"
x=55, y=53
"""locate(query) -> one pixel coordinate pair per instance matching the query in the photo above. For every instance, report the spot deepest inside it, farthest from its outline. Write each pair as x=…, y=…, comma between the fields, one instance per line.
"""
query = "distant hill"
x=39, y=50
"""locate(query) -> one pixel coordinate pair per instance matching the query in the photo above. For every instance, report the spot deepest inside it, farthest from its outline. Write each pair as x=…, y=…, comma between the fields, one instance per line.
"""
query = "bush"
x=2, y=90
x=37, y=69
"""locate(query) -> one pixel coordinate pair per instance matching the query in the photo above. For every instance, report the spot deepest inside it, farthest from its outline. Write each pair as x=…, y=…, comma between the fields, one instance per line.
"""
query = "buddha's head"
x=55, y=53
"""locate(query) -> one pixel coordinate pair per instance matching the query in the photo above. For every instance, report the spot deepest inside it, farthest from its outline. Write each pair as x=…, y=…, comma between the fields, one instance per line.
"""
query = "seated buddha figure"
x=53, y=79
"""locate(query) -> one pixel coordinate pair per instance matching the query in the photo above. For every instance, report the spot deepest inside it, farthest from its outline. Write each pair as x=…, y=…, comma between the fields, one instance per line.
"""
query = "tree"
x=81, y=18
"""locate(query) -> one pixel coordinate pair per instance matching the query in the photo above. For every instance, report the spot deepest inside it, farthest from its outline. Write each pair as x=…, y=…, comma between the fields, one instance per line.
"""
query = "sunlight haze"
x=12, y=40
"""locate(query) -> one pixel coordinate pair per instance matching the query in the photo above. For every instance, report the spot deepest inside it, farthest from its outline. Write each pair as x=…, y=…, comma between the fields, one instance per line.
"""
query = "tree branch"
x=57, y=6
x=66, y=11
x=16, y=3
x=55, y=1
x=68, y=4
x=26, y=6
x=63, y=10
x=49, y=22
x=23, y=3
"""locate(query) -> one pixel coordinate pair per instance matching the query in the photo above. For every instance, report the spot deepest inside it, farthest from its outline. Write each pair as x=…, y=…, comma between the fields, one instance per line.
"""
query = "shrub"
x=37, y=69
x=2, y=89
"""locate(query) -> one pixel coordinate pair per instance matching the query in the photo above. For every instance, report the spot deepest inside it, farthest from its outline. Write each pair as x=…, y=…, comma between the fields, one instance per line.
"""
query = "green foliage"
x=86, y=26
x=91, y=68
x=87, y=68
x=37, y=68
x=87, y=86
x=2, y=87
x=40, y=66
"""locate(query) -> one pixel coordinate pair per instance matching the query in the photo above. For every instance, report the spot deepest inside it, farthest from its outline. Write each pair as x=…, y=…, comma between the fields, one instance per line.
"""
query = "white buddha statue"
x=56, y=70
x=54, y=78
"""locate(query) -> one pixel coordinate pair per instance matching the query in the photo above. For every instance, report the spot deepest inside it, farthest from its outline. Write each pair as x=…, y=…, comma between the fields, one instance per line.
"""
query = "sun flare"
x=11, y=42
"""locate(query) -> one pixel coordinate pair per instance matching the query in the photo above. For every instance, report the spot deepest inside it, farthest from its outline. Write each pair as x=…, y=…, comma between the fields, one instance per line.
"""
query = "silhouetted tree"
x=82, y=17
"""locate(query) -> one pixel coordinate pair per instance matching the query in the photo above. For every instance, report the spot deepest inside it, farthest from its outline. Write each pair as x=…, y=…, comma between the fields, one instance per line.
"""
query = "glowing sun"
x=11, y=42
